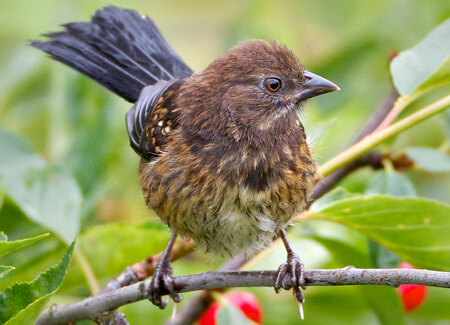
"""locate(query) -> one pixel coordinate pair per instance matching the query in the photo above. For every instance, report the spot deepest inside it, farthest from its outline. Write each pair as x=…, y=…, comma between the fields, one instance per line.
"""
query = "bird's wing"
x=152, y=118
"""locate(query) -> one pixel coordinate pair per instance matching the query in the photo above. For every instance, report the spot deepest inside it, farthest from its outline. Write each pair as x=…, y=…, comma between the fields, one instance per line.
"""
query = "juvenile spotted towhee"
x=224, y=156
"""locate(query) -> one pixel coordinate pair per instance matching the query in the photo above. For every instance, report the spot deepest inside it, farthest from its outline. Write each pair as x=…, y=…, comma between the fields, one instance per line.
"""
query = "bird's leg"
x=294, y=267
x=162, y=278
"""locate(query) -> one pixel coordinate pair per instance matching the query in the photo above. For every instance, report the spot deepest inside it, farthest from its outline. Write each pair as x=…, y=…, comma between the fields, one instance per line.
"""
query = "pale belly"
x=244, y=226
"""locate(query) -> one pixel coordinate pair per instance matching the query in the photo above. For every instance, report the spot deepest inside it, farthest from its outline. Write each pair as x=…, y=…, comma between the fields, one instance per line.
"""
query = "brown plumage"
x=225, y=159
x=237, y=167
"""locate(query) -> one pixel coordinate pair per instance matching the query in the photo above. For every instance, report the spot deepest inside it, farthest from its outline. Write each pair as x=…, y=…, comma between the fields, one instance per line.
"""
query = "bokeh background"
x=79, y=126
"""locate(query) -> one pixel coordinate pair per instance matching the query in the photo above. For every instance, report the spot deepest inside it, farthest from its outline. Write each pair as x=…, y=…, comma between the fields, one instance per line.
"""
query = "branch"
x=381, y=112
x=94, y=307
x=375, y=139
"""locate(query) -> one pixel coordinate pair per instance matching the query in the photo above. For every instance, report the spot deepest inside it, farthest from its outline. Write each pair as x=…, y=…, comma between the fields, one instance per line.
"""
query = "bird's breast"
x=228, y=199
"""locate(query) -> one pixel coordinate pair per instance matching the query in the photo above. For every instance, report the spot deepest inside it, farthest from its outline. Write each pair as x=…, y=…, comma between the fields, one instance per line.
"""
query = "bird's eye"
x=273, y=84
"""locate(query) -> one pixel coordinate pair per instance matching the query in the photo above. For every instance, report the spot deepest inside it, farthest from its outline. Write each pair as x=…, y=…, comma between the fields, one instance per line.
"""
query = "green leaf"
x=16, y=156
x=3, y=236
x=9, y=246
x=229, y=314
x=383, y=300
x=337, y=194
x=415, y=229
x=386, y=303
x=446, y=116
x=425, y=65
x=440, y=77
x=392, y=183
x=380, y=256
x=117, y=245
x=429, y=159
x=19, y=296
x=388, y=182
x=46, y=195
x=31, y=313
x=4, y=270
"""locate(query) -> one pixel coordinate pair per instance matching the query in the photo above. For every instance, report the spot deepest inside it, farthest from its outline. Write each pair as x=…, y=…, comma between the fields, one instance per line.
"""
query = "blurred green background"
x=79, y=126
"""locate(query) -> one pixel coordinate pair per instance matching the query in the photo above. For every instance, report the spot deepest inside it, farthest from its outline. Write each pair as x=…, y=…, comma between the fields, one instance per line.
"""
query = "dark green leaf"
x=45, y=194
x=414, y=229
x=229, y=314
x=9, y=246
x=19, y=296
x=425, y=65
x=429, y=159
x=31, y=313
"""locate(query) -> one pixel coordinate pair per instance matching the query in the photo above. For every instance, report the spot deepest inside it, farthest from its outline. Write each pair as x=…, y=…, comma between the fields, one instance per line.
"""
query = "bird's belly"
x=240, y=226
x=232, y=233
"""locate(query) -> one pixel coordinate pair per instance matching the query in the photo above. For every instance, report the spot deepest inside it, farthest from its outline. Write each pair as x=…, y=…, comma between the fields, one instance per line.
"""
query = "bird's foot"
x=162, y=279
x=295, y=269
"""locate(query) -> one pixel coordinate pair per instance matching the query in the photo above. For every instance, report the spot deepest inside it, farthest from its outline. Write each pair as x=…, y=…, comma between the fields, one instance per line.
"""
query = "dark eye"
x=273, y=84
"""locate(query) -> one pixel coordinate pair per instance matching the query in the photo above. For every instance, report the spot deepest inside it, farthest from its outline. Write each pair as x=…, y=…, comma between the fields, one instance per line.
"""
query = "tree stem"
x=94, y=307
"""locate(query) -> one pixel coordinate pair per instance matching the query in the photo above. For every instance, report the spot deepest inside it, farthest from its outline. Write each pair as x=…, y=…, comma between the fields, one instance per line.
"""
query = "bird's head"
x=261, y=87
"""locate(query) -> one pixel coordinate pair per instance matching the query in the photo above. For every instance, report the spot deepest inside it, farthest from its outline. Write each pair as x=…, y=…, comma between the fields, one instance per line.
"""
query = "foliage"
x=22, y=303
x=66, y=167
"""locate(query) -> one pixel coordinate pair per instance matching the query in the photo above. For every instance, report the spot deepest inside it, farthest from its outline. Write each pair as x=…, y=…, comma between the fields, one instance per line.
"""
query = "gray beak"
x=314, y=86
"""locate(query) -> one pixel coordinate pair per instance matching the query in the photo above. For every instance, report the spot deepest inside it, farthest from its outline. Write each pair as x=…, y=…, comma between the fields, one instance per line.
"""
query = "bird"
x=224, y=157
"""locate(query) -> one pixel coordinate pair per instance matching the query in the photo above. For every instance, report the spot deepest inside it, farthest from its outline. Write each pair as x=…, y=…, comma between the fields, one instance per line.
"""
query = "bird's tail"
x=119, y=49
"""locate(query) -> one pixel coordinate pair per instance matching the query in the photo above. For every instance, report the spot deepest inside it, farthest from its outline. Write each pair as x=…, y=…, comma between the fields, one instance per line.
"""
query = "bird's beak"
x=314, y=86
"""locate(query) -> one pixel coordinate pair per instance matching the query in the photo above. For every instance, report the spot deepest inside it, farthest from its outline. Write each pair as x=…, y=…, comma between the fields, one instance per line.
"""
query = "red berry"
x=209, y=316
x=412, y=294
x=248, y=303
x=243, y=300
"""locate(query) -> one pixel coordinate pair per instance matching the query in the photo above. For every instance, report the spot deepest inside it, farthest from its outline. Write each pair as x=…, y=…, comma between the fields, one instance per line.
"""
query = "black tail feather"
x=119, y=49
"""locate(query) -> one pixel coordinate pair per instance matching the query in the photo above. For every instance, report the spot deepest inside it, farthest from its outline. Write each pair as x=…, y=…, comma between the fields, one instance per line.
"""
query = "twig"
x=380, y=114
x=399, y=106
x=94, y=307
x=375, y=139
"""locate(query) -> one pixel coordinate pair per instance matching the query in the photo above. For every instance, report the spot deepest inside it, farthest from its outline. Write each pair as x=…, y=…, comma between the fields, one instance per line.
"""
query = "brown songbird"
x=224, y=156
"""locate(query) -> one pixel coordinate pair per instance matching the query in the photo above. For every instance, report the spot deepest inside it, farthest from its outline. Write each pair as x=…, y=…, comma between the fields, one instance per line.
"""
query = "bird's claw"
x=162, y=279
x=295, y=269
